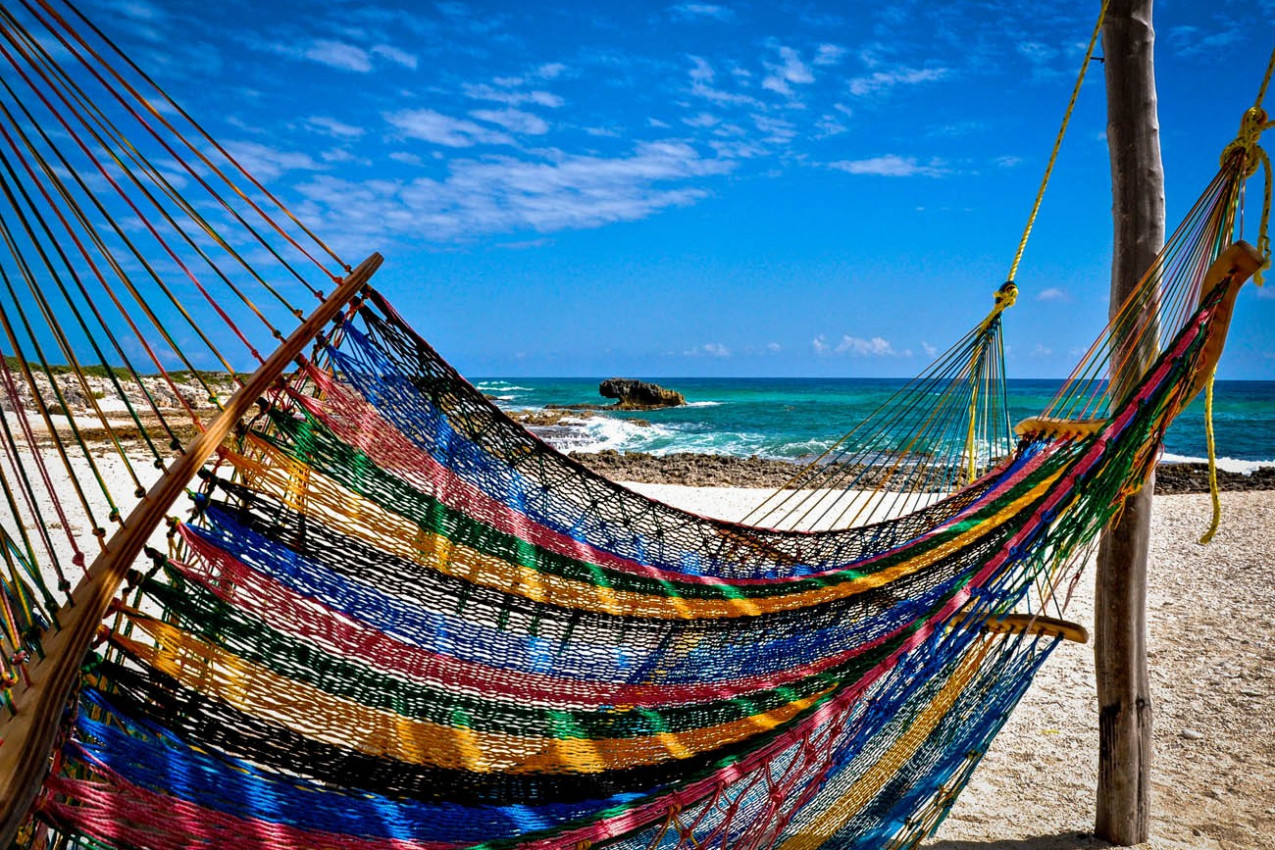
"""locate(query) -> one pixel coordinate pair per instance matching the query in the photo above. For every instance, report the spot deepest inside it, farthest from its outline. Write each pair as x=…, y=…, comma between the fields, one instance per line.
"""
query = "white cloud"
x=333, y=127
x=508, y=194
x=828, y=54
x=1035, y=52
x=513, y=120
x=511, y=97
x=266, y=163
x=883, y=81
x=549, y=70
x=788, y=71
x=857, y=347
x=828, y=125
x=708, y=349
x=777, y=130
x=393, y=54
x=703, y=119
x=1041, y=351
x=1053, y=293
x=702, y=10
x=702, y=78
x=1189, y=41
x=774, y=347
x=338, y=54
x=875, y=347
x=1008, y=161
x=930, y=350
x=701, y=71
x=442, y=129
x=890, y=165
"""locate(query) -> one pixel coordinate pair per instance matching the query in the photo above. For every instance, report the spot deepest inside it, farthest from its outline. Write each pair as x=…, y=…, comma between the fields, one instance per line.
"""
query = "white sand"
x=1212, y=659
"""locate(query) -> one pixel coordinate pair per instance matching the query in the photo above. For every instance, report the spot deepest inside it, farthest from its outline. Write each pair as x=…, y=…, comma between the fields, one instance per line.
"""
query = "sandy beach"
x=1212, y=663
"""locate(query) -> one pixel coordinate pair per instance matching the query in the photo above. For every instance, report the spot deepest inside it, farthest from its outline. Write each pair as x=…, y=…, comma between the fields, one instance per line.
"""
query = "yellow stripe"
x=834, y=816
x=342, y=722
x=356, y=516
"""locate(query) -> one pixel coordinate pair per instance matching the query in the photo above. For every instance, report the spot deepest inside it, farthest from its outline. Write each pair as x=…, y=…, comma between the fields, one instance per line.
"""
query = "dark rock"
x=639, y=395
x=706, y=470
x=1173, y=478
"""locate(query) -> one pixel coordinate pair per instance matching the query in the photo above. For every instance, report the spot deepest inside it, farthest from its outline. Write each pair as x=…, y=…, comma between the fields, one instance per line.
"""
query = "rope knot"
x=1251, y=157
x=1246, y=140
x=1006, y=295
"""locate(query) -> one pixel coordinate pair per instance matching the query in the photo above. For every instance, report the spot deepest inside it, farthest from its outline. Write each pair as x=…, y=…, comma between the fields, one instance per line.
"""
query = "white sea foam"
x=599, y=433
x=1226, y=464
x=703, y=404
x=499, y=386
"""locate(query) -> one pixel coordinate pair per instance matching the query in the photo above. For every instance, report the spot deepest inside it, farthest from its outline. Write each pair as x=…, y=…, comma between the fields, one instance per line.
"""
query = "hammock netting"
x=391, y=617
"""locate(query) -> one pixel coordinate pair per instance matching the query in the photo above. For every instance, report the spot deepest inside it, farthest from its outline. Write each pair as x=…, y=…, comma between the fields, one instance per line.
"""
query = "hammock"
x=393, y=617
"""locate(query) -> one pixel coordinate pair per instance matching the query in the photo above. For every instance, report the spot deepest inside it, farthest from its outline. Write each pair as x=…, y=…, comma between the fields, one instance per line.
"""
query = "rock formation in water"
x=639, y=395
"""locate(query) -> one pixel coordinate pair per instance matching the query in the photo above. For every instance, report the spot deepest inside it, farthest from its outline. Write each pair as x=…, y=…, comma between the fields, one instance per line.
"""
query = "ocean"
x=798, y=418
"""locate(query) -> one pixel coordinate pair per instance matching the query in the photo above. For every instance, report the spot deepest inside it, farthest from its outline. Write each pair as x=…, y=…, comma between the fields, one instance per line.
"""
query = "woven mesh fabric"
x=398, y=618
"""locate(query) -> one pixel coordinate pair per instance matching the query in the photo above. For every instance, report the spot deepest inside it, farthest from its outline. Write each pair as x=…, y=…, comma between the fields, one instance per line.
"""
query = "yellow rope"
x=1208, y=435
x=1062, y=131
x=1254, y=122
x=1266, y=81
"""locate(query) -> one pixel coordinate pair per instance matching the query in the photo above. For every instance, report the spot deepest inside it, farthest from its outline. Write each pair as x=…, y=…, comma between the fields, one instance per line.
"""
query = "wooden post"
x=1137, y=186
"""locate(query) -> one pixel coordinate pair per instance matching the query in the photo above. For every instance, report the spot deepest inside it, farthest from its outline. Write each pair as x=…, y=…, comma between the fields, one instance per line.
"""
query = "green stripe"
x=205, y=615
x=313, y=444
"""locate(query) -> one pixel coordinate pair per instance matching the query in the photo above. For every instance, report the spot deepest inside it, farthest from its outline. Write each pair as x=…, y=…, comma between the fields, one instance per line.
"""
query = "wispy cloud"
x=875, y=347
x=703, y=79
x=789, y=70
x=268, y=163
x=338, y=54
x=1035, y=52
x=1053, y=293
x=880, y=82
x=511, y=96
x=708, y=349
x=702, y=10
x=508, y=194
x=1190, y=41
x=332, y=127
x=890, y=165
x=857, y=347
x=513, y=120
x=393, y=54
x=440, y=129
x=829, y=54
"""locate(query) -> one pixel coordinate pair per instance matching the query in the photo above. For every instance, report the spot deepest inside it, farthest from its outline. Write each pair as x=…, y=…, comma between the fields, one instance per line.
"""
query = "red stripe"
x=118, y=812
x=312, y=620
x=358, y=424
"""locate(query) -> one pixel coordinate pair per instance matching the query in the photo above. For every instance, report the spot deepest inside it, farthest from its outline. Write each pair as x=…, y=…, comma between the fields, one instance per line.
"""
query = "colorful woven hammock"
x=394, y=618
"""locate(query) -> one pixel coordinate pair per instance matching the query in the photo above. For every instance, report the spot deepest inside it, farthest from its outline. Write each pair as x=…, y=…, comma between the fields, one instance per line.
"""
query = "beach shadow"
x=1059, y=841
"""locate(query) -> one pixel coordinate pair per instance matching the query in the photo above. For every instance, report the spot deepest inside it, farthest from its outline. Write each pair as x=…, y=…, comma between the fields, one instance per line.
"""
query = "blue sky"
x=665, y=189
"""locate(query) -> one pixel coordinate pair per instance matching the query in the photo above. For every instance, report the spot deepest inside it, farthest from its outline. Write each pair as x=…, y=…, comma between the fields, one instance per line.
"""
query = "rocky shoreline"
x=707, y=470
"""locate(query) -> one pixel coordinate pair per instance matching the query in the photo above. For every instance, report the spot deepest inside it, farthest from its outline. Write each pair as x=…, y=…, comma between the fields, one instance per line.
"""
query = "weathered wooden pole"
x=1137, y=186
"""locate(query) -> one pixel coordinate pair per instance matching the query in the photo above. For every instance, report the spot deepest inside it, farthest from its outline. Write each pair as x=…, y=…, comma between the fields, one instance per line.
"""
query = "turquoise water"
x=794, y=418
